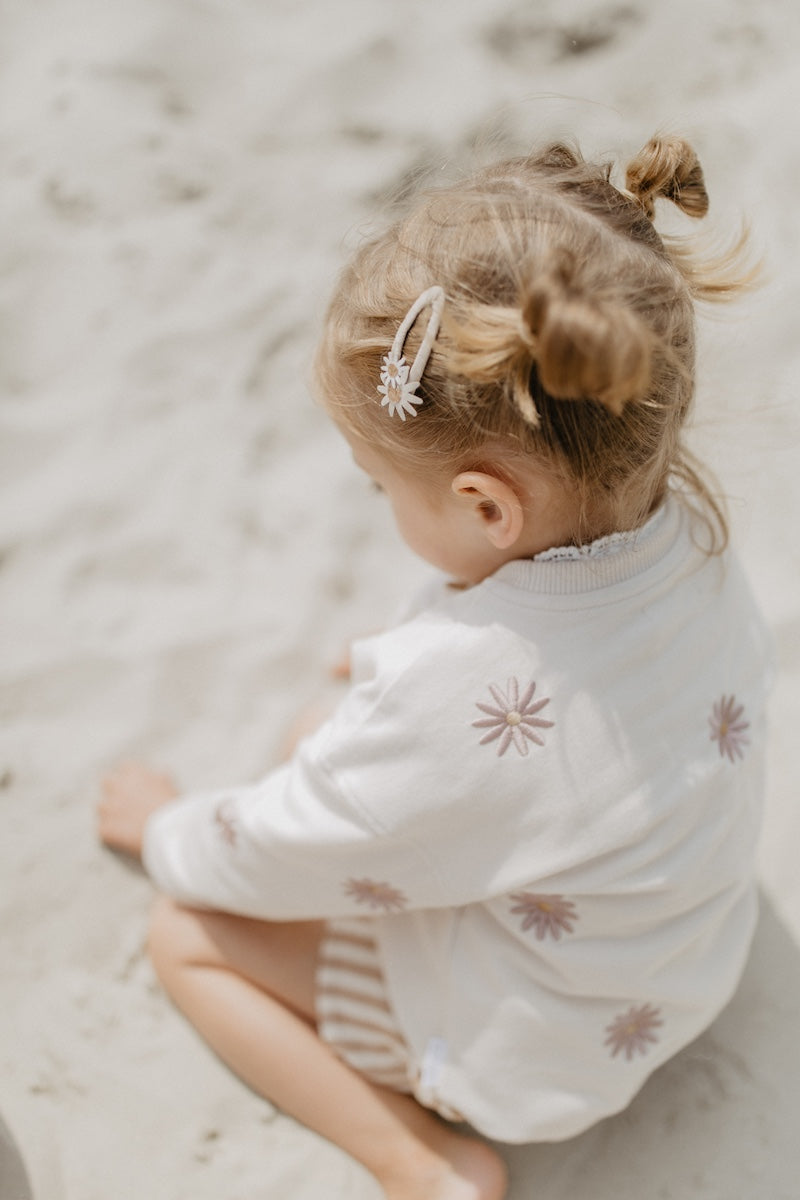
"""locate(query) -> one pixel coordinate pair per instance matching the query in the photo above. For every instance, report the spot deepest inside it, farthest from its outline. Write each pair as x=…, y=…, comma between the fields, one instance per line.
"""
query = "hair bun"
x=668, y=167
x=585, y=347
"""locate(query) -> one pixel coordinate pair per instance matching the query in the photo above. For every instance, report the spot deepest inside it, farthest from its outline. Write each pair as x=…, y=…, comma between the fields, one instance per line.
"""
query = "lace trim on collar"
x=602, y=547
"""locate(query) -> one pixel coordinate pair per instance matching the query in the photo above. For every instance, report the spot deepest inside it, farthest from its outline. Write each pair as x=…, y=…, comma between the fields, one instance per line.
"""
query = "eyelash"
x=375, y=487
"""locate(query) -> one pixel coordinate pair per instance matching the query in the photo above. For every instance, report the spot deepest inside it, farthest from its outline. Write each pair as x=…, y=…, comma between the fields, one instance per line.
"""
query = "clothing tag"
x=433, y=1060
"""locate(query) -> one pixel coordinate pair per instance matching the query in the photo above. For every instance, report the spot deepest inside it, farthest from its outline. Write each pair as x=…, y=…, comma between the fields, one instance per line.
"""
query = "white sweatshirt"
x=546, y=790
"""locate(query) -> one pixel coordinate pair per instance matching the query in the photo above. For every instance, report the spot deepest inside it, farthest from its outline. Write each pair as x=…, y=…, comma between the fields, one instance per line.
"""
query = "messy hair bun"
x=582, y=342
x=668, y=167
x=585, y=344
x=567, y=337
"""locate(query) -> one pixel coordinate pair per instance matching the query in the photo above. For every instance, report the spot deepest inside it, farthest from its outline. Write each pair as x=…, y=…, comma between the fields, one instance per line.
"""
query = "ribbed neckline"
x=613, y=560
x=610, y=543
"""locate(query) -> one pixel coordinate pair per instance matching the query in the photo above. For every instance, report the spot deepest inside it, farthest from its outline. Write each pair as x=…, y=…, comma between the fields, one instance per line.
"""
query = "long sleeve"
x=292, y=846
x=386, y=808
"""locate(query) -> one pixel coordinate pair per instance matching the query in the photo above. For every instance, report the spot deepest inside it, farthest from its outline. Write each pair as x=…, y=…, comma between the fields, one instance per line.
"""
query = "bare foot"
x=461, y=1168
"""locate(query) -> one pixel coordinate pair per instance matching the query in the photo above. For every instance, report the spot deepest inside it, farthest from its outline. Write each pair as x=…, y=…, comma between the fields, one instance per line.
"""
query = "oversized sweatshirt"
x=545, y=790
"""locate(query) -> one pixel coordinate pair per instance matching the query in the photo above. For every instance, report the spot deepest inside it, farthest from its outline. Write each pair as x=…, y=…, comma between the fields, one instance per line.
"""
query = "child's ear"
x=496, y=505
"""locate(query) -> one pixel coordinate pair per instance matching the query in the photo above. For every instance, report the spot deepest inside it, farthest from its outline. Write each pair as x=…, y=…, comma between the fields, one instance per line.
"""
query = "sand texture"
x=184, y=544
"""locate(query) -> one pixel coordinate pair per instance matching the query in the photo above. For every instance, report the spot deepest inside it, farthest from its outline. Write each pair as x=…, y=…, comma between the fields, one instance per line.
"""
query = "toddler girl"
x=513, y=873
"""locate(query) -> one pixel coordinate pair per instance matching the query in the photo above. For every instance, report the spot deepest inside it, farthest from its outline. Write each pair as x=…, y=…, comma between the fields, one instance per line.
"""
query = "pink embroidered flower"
x=375, y=895
x=632, y=1032
x=728, y=728
x=513, y=719
x=226, y=821
x=548, y=916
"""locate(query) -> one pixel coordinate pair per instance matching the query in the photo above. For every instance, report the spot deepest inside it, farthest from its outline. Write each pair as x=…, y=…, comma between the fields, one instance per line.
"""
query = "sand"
x=184, y=545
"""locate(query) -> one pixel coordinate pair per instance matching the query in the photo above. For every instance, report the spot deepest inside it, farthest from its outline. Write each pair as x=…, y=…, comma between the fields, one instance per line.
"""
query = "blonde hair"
x=568, y=334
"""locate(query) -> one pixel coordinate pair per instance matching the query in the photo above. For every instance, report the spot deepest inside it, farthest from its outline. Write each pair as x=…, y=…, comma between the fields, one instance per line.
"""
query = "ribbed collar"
x=609, y=561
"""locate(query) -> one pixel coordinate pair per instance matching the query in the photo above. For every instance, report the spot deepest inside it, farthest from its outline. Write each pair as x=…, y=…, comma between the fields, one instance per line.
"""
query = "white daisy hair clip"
x=399, y=382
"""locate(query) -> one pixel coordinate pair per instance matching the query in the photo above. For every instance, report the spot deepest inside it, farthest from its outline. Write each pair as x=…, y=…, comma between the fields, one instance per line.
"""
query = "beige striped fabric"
x=353, y=1013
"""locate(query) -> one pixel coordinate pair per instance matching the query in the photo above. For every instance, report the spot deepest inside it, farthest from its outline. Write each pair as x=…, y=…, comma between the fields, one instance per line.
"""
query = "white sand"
x=185, y=544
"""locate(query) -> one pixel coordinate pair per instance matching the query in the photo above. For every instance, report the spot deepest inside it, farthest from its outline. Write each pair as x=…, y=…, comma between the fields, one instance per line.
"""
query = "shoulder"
x=439, y=652
x=442, y=736
x=438, y=697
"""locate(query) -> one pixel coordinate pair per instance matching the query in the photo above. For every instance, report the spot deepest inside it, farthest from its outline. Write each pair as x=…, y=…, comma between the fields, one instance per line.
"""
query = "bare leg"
x=248, y=988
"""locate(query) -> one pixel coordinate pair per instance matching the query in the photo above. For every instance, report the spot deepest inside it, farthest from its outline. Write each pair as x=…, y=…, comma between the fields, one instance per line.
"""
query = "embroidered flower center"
x=513, y=718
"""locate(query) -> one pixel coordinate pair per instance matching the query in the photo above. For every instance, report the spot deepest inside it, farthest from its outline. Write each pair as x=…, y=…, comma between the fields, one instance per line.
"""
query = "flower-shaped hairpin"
x=399, y=382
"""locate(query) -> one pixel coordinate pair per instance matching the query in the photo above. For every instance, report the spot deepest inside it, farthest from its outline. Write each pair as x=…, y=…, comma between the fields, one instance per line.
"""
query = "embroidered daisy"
x=728, y=729
x=548, y=916
x=513, y=719
x=632, y=1032
x=225, y=821
x=375, y=895
x=397, y=392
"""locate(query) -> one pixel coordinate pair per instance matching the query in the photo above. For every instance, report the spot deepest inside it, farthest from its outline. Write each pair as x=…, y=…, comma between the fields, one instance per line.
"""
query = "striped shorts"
x=353, y=1012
